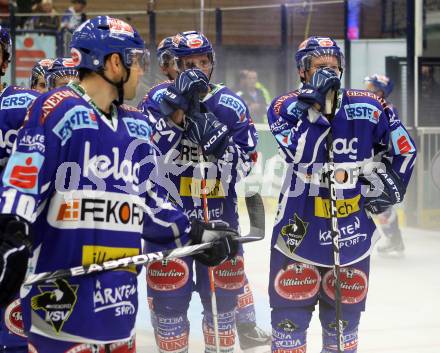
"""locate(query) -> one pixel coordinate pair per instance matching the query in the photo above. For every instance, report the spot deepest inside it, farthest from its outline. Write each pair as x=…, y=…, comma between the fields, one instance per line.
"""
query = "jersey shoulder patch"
x=15, y=97
x=231, y=101
x=278, y=103
x=137, y=125
x=51, y=100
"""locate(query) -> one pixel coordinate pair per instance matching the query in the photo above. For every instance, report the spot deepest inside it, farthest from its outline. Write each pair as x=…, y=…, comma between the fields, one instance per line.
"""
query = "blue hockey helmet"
x=101, y=36
x=192, y=43
x=39, y=70
x=315, y=47
x=164, y=51
x=378, y=82
x=60, y=68
x=6, y=43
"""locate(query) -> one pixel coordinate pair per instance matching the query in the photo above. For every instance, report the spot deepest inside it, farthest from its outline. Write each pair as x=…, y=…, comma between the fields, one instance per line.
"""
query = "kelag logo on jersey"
x=21, y=100
x=57, y=301
x=7, y=138
x=22, y=171
x=401, y=141
x=138, y=128
x=235, y=104
x=75, y=119
x=362, y=111
x=97, y=209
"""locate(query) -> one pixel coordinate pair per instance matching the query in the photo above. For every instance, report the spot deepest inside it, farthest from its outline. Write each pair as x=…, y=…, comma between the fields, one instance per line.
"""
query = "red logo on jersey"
x=230, y=274
x=354, y=285
x=298, y=282
x=167, y=274
x=403, y=144
x=14, y=318
x=24, y=176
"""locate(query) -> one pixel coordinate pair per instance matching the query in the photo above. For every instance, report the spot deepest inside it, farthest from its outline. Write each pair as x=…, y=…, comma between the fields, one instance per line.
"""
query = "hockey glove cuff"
x=385, y=188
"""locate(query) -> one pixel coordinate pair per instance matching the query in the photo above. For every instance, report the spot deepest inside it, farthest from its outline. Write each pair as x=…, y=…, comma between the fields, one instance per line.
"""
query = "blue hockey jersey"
x=14, y=102
x=364, y=130
x=184, y=160
x=83, y=180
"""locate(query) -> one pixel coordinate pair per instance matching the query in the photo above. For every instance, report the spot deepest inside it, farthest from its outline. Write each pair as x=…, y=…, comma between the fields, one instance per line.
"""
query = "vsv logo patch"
x=57, y=301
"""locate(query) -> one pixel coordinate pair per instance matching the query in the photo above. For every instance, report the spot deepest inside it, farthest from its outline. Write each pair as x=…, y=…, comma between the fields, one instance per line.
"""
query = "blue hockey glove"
x=225, y=246
x=205, y=130
x=315, y=91
x=185, y=92
x=15, y=250
x=386, y=186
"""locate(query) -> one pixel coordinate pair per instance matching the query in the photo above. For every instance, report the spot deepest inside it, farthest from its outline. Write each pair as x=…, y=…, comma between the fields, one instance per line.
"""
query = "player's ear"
x=113, y=63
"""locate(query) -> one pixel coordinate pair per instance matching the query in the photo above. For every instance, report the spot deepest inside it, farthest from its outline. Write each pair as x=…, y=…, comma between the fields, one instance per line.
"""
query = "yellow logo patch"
x=193, y=187
x=95, y=254
x=345, y=207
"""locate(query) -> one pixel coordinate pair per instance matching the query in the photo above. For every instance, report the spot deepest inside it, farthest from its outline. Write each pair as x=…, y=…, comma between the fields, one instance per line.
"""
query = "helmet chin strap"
x=119, y=85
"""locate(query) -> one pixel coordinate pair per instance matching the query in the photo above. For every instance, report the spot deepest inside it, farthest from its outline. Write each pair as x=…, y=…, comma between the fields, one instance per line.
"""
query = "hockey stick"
x=141, y=259
x=210, y=269
x=334, y=229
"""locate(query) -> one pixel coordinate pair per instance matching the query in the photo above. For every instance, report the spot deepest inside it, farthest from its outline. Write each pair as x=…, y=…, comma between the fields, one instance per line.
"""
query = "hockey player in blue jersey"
x=168, y=67
x=221, y=109
x=382, y=86
x=60, y=73
x=364, y=128
x=77, y=190
x=38, y=72
x=14, y=102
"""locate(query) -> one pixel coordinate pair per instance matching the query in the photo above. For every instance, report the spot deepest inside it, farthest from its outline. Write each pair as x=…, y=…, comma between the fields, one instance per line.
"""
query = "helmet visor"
x=306, y=61
x=134, y=56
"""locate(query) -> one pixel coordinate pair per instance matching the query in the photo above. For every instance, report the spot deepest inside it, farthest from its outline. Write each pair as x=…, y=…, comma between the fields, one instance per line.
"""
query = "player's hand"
x=15, y=250
x=185, y=92
x=225, y=246
x=315, y=91
x=385, y=188
x=207, y=131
